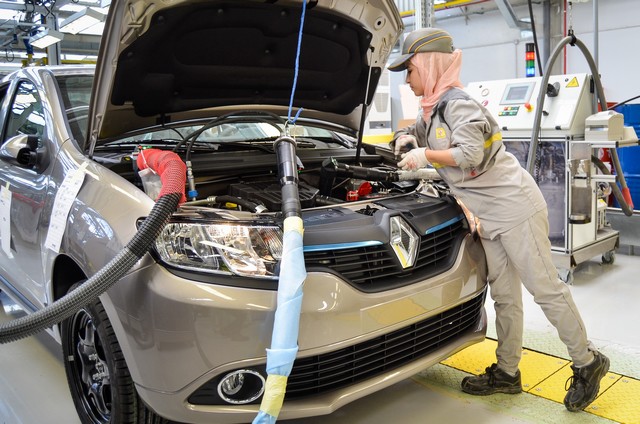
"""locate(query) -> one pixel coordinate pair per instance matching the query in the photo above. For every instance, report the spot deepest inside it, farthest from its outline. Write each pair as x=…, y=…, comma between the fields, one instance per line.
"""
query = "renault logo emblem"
x=404, y=241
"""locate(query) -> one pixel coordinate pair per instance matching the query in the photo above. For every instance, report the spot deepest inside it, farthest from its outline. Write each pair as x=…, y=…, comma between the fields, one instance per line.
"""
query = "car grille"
x=319, y=374
x=375, y=268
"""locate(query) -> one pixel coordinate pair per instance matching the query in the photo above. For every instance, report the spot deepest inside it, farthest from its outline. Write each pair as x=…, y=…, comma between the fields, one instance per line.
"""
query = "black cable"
x=232, y=117
x=535, y=38
x=624, y=102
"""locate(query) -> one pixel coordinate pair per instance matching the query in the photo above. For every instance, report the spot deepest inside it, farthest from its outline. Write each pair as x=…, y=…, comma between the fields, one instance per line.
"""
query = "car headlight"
x=230, y=248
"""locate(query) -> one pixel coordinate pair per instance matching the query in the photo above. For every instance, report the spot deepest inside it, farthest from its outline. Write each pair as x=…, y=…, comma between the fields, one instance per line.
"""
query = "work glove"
x=414, y=159
x=404, y=143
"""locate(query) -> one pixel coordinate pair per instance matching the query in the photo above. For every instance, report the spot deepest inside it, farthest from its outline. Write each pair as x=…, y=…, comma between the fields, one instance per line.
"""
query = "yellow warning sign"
x=573, y=83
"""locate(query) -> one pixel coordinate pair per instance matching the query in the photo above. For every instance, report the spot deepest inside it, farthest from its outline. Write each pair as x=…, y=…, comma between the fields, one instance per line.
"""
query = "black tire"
x=609, y=257
x=99, y=380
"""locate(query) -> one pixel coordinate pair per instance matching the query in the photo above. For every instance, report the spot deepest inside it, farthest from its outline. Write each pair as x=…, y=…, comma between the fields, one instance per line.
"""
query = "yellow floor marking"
x=553, y=388
x=620, y=402
x=546, y=376
x=536, y=366
x=475, y=358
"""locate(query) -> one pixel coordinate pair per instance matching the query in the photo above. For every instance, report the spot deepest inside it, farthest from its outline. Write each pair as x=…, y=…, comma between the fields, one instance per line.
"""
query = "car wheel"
x=99, y=380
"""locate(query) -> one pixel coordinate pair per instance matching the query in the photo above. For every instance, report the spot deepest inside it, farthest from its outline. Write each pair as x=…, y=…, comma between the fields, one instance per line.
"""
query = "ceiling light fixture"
x=81, y=20
x=45, y=38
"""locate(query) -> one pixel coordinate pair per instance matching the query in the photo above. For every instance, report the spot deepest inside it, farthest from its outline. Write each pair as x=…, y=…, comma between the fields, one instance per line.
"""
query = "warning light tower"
x=530, y=60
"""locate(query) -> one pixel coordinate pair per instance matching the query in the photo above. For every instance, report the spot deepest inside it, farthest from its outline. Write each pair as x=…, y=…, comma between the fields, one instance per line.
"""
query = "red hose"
x=626, y=194
x=172, y=170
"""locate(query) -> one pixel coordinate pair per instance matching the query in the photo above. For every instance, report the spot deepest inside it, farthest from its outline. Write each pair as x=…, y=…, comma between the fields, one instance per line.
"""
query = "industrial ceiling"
x=23, y=23
x=26, y=25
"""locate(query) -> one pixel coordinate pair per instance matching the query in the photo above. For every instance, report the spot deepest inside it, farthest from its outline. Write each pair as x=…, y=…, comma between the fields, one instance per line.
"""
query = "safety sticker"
x=62, y=205
x=440, y=133
x=5, y=219
x=573, y=82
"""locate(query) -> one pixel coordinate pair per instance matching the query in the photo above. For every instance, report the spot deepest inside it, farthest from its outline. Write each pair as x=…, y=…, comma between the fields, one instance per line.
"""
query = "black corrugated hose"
x=69, y=304
x=533, y=149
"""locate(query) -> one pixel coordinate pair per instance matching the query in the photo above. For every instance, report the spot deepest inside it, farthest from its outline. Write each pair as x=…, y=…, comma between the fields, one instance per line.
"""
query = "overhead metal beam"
x=22, y=7
x=455, y=3
x=509, y=15
x=12, y=5
x=80, y=44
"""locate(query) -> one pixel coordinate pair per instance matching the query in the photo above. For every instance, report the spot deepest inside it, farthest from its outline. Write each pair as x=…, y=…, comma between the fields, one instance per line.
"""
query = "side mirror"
x=22, y=150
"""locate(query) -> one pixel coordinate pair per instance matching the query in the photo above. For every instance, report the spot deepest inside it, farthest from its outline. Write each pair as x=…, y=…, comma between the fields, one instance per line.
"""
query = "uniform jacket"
x=488, y=180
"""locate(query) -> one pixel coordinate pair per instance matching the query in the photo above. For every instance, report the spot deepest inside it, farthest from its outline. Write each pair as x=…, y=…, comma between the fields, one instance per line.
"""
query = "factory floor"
x=33, y=385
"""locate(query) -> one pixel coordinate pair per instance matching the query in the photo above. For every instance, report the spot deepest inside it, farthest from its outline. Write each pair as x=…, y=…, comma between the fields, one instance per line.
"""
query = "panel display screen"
x=517, y=93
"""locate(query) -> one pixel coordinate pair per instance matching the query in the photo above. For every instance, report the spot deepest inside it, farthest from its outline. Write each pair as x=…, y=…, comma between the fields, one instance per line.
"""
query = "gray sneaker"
x=494, y=380
x=585, y=383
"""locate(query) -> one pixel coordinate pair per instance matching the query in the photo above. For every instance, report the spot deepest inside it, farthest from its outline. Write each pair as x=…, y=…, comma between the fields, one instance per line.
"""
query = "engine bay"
x=232, y=163
x=221, y=178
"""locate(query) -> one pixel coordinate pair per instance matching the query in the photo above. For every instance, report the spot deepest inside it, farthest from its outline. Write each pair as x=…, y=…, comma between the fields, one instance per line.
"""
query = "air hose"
x=572, y=40
x=284, y=337
x=617, y=193
x=168, y=200
x=286, y=320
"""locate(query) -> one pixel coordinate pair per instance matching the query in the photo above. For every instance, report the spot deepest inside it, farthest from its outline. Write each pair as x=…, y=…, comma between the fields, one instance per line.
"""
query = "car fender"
x=101, y=219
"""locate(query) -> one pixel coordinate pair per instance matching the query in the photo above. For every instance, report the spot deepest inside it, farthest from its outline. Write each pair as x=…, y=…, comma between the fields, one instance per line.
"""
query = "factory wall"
x=493, y=50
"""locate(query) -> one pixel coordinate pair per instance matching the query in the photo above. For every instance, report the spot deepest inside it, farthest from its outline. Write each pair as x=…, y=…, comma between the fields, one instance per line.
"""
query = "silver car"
x=391, y=261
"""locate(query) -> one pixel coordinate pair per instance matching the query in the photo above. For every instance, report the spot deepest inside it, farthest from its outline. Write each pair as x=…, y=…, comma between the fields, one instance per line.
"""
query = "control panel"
x=513, y=102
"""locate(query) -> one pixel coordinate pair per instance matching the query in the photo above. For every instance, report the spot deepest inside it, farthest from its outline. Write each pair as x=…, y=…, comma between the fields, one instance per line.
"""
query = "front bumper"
x=177, y=335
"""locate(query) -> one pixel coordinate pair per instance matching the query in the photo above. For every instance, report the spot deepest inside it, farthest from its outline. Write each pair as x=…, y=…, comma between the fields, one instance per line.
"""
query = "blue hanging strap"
x=297, y=65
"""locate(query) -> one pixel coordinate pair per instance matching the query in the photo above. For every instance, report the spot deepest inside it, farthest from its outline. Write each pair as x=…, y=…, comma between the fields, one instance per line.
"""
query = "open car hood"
x=167, y=61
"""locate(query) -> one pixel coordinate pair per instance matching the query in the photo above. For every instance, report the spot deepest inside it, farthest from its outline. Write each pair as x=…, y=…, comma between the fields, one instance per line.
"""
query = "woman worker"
x=462, y=141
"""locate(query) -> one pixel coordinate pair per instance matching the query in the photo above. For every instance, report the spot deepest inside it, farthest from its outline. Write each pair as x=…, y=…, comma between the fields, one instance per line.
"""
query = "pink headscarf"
x=439, y=72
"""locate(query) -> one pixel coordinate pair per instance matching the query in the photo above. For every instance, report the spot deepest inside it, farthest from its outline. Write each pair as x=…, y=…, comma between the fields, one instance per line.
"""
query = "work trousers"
x=522, y=256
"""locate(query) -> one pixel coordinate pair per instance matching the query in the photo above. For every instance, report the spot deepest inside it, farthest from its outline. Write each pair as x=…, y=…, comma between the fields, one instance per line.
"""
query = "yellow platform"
x=545, y=376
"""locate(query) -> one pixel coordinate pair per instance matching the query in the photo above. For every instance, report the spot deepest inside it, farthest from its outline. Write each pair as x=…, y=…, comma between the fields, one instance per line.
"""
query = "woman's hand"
x=414, y=159
x=404, y=143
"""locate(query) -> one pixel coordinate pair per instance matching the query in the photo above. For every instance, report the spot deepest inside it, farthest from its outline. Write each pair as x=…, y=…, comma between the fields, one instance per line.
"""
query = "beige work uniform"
x=514, y=226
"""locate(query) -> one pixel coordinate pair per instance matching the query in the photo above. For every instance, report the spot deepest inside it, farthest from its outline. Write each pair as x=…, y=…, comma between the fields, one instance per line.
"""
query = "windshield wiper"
x=342, y=140
x=266, y=141
x=160, y=143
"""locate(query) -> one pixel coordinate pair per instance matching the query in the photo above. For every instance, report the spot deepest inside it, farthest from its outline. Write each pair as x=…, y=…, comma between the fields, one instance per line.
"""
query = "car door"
x=23, y=193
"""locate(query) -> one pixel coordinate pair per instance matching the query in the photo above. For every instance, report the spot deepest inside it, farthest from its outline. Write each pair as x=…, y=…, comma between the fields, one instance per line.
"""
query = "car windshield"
x=247, y=127
x=232, y=132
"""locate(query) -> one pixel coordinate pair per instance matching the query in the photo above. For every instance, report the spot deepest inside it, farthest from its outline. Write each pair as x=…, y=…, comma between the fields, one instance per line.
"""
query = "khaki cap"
x=422, y=40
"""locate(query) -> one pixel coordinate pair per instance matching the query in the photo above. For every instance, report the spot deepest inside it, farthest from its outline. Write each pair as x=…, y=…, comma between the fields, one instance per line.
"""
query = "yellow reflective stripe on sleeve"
x=487, y=145
x=273, y=394
x=495, y=137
